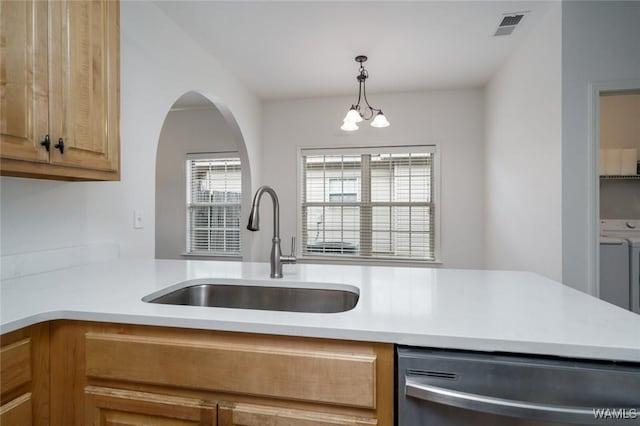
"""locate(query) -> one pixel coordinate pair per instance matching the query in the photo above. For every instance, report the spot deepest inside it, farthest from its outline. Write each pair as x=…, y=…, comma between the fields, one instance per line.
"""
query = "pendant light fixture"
x=356, y=114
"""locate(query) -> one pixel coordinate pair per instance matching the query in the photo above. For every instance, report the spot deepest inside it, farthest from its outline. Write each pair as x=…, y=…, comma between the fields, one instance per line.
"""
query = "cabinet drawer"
x=15, y=365
x=17, y=411
x=315, y=372
x=253, y=415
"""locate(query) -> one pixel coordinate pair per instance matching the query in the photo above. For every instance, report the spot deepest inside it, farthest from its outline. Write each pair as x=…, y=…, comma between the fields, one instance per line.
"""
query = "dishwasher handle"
x=499, y=406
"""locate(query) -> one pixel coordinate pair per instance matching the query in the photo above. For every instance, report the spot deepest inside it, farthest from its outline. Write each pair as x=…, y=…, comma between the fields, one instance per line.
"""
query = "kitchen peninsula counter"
x=495, y=311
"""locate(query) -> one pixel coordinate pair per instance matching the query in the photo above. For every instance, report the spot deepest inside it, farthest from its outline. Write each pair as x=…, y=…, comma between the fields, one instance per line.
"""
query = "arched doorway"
x=203, y=182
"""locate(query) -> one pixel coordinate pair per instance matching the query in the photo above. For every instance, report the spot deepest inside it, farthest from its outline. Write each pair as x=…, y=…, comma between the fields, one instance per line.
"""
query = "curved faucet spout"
x=254, y=216
x=277, y=259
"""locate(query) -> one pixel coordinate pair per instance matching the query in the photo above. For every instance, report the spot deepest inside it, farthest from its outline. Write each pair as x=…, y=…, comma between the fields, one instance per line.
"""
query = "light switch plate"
x=138, y=219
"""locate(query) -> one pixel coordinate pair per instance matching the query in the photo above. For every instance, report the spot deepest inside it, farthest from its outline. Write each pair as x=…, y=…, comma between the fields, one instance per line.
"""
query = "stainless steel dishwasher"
x=442, y=388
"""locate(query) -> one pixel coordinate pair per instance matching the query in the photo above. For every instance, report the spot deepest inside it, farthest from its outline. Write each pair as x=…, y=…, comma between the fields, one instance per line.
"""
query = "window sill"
x=368, y=262
x=203, y=256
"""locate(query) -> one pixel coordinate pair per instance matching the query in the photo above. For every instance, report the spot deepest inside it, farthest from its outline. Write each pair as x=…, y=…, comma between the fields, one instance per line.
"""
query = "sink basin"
x=328, y=299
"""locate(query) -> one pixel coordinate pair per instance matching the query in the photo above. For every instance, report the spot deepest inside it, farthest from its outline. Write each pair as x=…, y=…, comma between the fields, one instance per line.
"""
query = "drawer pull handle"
x=60, y=145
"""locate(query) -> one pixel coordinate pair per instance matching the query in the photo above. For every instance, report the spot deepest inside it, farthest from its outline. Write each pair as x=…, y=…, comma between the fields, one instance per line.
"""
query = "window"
x=376, y=203
x=213, y=204
x=343, y=189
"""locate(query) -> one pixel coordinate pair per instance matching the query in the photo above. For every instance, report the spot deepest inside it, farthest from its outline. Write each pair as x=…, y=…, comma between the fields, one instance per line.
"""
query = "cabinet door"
x=24, y=89
x=116, y=407
x=84, y=92
x=254, y=415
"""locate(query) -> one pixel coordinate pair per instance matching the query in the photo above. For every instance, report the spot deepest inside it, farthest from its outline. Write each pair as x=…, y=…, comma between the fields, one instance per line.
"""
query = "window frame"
x=209, y=156
x=359, y=150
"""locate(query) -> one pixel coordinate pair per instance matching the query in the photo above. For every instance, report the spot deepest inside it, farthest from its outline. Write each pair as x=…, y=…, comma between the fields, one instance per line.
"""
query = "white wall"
x=158, y=64
x=184, y=132
x=599, y=44
x=451, y=118
x=523, y=144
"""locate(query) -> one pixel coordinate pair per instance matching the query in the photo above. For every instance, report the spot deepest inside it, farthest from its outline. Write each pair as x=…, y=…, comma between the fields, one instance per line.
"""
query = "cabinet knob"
x=60, y=145
x=46, y=143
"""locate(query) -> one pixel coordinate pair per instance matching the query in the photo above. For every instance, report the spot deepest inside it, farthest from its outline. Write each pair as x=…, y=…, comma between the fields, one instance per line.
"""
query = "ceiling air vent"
x=508, y=23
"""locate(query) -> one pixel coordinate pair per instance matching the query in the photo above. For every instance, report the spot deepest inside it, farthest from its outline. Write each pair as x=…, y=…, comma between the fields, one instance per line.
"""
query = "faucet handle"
x=293, y=246
x=292, y=257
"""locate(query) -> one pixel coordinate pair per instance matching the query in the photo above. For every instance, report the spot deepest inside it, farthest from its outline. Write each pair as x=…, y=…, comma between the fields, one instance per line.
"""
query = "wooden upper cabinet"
x=61, y=61
x=84, y=103
x=24, y=96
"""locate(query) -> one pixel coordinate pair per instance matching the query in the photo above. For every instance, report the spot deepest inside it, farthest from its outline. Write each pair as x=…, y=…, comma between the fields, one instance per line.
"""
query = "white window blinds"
x=213, y=204
x=369, y=203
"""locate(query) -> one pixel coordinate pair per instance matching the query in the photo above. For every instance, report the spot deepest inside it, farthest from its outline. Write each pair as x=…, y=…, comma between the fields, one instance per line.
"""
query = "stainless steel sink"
x=270, y=298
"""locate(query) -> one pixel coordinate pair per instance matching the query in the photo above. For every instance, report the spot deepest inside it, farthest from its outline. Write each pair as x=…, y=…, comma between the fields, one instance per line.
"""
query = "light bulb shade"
x=380, y=120
x=349, y=126
x=353, y=116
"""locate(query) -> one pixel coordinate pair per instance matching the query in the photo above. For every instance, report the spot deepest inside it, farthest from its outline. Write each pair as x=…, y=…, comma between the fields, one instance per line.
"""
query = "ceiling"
x=306, y=48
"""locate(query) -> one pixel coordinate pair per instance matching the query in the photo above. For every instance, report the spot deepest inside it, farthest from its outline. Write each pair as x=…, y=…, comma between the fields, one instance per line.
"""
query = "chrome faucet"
x=277, y=259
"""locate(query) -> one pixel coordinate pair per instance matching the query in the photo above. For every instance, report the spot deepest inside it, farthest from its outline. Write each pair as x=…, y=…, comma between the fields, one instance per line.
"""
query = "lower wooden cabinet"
x=24, y=376
x=254, y=415
x=76, y=373
x=340, y=373
x=117, y=407
x=18, y=411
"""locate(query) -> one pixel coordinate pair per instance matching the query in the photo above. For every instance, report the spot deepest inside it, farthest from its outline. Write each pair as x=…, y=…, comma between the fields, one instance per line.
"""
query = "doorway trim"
x=593, y=184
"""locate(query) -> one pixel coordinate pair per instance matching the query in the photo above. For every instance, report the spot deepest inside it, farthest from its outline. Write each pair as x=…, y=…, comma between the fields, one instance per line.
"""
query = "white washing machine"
x=620, y=262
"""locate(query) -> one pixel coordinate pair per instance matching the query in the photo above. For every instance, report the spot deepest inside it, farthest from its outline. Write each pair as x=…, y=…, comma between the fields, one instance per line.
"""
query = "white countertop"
x=463, y=309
